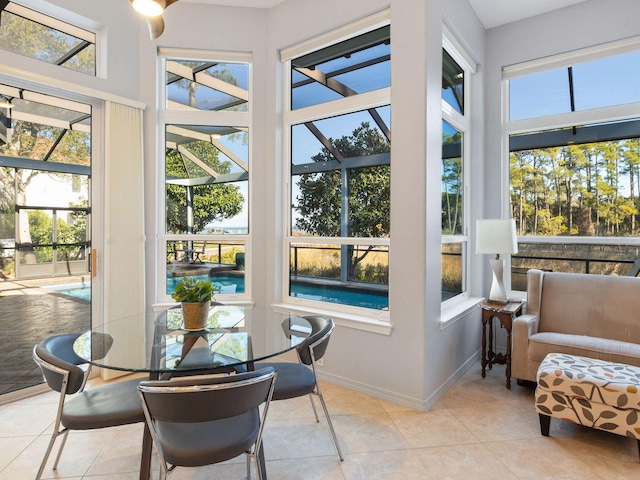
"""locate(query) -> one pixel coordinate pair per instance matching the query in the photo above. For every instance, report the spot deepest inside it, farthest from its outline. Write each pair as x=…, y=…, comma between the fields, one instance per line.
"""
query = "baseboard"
x=399, y=399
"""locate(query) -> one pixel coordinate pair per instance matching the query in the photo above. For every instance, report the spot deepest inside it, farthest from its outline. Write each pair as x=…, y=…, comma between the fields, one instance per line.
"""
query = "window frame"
x=357, y=317
x=176, y=116
x=558, y=121
x=46, y=16
x=462, y=122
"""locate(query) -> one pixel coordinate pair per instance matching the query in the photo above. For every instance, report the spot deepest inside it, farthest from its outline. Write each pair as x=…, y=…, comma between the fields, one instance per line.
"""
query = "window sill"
x=358, y=322
x=456, y=312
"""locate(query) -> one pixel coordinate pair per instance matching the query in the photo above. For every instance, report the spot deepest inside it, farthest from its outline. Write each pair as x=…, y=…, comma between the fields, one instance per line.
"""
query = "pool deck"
x=29, y=313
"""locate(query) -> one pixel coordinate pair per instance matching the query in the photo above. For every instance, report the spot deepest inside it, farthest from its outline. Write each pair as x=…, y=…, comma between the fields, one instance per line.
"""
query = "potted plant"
x=195, y=296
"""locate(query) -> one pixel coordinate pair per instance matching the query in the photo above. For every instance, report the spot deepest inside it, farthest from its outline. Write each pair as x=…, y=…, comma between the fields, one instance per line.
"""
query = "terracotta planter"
x=195, y=315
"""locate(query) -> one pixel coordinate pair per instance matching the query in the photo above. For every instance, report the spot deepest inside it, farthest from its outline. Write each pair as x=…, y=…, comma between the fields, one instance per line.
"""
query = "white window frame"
x=361, y=318
x=462, y=122
x=168, y=116
x=59, y=19
x=562, y=120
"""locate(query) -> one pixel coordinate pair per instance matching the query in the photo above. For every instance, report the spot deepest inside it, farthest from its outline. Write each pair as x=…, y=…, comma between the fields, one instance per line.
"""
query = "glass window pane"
x=207, y=85
x=545, y=93
x=360, y=64
x=452, y=270
x=221, y=262
x=35, y=39
x=206, y=179
x=340, y=181
x=344, y=136
x=611, y=81
x=452, y=184
x=316, y=274
x=588, y=190
x=452, y=83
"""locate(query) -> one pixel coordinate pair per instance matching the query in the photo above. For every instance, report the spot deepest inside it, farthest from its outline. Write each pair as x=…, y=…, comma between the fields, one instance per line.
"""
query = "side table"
x=505, y=313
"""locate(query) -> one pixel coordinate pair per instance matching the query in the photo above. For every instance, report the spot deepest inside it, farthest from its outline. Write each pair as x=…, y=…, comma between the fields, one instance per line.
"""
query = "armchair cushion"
x=595, y=316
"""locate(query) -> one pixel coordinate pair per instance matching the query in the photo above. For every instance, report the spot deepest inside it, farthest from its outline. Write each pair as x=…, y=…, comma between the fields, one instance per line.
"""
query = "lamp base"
x=498, y=293
x=499, y=302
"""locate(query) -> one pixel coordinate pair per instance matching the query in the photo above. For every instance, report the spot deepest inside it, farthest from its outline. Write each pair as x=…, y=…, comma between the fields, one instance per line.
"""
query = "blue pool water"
x=231, y=284
x=78, y=290
x=356, y=298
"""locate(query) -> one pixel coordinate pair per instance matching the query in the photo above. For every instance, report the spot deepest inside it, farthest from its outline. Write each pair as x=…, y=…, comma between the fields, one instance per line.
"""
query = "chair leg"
x=54, y=436
x=64, y=441
x=313, y=406
x=333, y=433
x=638, y=440
x=261, y=465
x=46, y=455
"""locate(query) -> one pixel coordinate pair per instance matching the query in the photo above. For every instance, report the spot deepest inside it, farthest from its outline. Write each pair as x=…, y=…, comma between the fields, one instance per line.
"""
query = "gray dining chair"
x=206, y=420
x=300, y=379
x=109, y=405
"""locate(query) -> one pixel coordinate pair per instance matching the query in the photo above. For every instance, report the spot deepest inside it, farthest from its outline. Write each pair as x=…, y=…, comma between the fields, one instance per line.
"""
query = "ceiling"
x=492, y=13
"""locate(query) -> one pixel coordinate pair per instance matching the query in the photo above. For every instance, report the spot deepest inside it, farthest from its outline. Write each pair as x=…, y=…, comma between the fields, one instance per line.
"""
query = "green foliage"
x=192, y=290
x=319, y=203
x=211, y=202
x=589, y=190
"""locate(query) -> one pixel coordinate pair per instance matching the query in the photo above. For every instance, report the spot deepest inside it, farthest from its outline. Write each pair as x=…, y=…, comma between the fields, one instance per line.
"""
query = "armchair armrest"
x=523, y=327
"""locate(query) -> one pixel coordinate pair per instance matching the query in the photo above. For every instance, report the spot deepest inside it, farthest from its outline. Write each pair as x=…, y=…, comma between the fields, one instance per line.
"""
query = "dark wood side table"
x=505, y=313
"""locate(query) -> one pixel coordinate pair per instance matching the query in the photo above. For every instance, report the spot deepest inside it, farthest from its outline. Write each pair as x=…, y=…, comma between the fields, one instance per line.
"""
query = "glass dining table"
x=156, y=343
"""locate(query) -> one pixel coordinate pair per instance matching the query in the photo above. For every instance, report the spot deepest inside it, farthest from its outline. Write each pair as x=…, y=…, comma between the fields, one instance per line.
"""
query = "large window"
x=206, y=169
x=574, y=154
x=33, y=34
x=456, y=71
x=338, y=127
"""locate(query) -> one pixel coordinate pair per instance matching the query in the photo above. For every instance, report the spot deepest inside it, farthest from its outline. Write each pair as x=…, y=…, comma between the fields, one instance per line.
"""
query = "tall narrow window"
x=206, y=170
x=340, y=167
x=456, y=71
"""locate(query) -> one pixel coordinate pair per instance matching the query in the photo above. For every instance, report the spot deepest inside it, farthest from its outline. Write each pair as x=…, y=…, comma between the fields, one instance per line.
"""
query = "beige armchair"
x=595, y=316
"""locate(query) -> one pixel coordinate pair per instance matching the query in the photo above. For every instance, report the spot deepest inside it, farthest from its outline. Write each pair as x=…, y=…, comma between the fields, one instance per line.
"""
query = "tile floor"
x=478, y=430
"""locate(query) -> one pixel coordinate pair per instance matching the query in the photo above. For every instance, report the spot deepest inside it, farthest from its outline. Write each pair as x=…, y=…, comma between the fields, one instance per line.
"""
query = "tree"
x=34, y=141
x=211, y=202
x=366, y=212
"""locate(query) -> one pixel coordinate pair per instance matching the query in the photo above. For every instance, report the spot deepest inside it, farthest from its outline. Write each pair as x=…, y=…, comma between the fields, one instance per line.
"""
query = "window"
x=33, y=34
x=206, y=169
x=574, y=151
x=339, y=162
x=456, y=71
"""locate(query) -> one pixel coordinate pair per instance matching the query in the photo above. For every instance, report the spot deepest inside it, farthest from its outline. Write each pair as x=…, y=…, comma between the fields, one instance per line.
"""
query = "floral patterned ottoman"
x=590, y=392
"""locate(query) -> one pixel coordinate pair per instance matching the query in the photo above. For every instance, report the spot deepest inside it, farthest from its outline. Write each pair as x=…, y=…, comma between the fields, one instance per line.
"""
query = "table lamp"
x=497, y=236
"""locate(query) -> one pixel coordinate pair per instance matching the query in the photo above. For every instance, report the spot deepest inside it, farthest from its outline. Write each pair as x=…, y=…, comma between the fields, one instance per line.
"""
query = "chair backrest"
x=205, y=399
x=318, y=339
x=56, y=359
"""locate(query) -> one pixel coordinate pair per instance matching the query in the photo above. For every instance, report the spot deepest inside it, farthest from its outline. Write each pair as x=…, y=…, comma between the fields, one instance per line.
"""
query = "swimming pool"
x=233, y=284
x=325, y=293
x=79, y=290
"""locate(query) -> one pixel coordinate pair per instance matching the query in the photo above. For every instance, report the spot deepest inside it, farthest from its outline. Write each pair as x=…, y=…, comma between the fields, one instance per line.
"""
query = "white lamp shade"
x=496, y=236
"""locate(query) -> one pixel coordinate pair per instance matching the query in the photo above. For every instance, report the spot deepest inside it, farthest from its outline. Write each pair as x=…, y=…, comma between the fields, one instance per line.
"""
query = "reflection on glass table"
x=157, y=343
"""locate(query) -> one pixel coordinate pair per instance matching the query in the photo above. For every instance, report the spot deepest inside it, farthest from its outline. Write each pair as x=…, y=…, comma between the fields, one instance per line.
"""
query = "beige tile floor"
x=478, y=430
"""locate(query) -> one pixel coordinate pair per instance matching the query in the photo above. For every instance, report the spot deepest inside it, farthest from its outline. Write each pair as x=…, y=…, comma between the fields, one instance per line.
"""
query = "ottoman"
x=590, y=392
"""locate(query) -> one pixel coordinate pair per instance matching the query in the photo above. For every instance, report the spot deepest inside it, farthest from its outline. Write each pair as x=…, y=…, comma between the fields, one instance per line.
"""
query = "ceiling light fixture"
x=153, y=10
x=149, y=8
